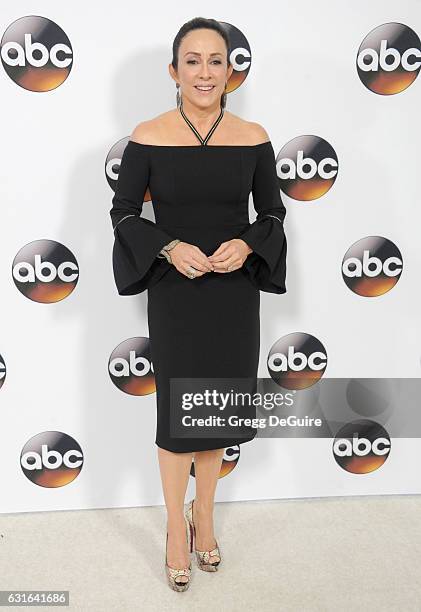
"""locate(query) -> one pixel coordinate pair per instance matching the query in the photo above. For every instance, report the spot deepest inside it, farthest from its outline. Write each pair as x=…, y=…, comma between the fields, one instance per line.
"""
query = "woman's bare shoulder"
x=259, y=133
x=247, y=132
x=152, y=131
x=155, y=131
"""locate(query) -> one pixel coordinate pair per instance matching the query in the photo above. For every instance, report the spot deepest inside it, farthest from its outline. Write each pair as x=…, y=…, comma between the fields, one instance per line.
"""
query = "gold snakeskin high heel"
x=202, y=556
x=173, y=573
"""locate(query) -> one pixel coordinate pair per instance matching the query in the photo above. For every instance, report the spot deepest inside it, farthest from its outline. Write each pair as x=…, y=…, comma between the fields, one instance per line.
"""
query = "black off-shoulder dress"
x=208, y=326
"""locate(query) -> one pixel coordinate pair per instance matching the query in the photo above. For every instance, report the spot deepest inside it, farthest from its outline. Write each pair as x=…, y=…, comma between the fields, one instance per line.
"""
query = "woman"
x=202, y=263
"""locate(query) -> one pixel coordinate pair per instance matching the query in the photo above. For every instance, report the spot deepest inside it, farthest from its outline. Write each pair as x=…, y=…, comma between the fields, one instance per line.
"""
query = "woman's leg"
x=207, y=468
x=175, y=473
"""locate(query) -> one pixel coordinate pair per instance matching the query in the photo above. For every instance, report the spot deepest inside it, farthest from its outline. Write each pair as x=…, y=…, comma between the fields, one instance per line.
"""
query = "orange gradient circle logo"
x=239, y=56
x=130, y=367
x=36, y=53
x=45, y=271
x=307, y=167
x=51, y=459
x=389, y=59
x=297, y=361
x=229, y=461
x=113, y=163
x=372, y=266
x=361, y=447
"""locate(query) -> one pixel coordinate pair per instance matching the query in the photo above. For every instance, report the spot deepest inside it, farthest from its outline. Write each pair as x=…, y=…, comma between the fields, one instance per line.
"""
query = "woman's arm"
x=266, y=265
x=137, y=241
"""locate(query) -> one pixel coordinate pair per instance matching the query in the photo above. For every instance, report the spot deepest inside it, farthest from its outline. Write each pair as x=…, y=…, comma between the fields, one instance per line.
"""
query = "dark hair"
x=196, y=24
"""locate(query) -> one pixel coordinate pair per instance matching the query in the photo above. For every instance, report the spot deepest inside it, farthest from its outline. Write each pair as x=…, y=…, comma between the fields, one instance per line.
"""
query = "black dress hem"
x=223, y=444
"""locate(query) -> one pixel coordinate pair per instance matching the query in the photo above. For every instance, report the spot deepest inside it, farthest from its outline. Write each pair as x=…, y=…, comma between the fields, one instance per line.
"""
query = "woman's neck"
x=201, y=118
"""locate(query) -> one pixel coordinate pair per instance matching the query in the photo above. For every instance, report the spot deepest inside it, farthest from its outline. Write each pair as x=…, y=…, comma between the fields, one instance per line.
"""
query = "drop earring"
x=224, y=97
x=177, y=97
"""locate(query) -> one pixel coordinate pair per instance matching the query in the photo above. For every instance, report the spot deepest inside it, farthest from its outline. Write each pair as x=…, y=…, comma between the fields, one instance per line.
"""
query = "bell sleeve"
x=266, y=266
x=137, y=241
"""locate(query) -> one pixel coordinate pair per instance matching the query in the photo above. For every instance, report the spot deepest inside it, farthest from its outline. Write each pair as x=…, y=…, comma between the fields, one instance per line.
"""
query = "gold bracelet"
x=164, y=252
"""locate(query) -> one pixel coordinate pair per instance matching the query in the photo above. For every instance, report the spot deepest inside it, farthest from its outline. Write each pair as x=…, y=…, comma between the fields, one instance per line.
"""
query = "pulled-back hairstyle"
x=195, y=24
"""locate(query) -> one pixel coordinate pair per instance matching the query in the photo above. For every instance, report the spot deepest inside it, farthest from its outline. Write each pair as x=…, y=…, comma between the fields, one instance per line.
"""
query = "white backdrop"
x=302, y=80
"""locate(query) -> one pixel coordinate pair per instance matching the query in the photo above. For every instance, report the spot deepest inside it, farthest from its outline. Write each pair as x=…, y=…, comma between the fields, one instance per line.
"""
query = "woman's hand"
x=184, y=255
x=230, y=255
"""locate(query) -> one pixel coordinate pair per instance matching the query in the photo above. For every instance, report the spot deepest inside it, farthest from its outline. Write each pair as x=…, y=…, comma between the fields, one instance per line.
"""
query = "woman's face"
x=202, y=60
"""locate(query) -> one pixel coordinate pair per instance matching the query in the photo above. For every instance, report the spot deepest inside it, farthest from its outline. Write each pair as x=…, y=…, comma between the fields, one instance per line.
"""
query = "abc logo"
x=130, y=367
x=389, y=58
x=239, y=56
x=36, y=53
x=361, y=447
x=51, y=459
x=297, y=361
x=113, y=163
x=45, y=271
x=229, y=461
x=372, y=266
x=307, y=167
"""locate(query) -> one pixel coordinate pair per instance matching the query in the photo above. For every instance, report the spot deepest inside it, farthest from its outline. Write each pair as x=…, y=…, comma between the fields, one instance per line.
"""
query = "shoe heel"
x=172, y=573
x=191, y=537
x=202, y=556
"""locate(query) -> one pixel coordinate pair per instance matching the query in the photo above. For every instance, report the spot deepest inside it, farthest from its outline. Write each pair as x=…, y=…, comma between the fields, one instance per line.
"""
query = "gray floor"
x=304, y=555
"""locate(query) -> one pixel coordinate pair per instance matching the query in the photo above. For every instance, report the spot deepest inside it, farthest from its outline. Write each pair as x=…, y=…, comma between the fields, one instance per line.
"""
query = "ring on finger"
x=191, y=272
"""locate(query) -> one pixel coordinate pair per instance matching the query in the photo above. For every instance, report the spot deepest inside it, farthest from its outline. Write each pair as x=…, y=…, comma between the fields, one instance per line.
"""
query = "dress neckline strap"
x=205, y=140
